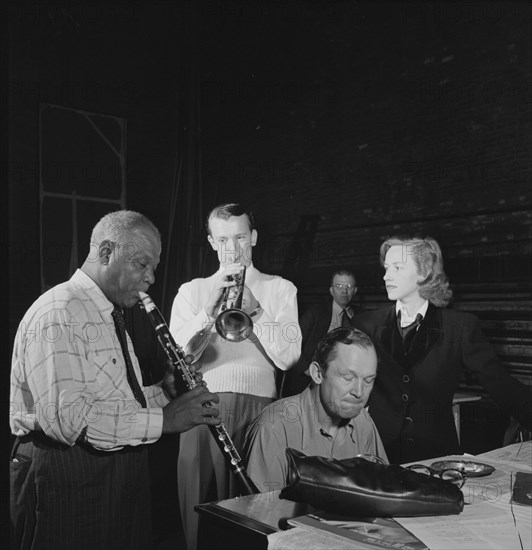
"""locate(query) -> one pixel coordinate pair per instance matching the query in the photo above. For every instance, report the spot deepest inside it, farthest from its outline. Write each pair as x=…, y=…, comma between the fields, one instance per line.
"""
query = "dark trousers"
x=77, y=498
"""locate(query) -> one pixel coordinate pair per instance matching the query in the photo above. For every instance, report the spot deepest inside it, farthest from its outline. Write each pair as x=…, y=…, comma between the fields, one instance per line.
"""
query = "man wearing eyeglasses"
x=343, y=289
x=317, y=321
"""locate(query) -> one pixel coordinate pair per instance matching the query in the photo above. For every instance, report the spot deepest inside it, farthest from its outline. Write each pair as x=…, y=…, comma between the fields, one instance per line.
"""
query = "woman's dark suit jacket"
x=411, y=402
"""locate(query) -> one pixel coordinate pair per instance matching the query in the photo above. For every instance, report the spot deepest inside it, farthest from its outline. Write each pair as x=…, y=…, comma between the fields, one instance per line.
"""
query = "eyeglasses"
x=339, y=286
x=457, y=477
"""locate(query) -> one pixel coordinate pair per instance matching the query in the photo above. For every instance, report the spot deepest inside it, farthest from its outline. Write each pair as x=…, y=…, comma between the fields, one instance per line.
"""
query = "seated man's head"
x=344, y=366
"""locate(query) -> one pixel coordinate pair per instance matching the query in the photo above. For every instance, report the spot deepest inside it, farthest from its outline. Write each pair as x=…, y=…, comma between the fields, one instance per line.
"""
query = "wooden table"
x=488, y=520
x=245, y=522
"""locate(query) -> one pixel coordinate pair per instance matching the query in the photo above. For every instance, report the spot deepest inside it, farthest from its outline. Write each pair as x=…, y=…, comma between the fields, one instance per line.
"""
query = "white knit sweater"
x=245, y=367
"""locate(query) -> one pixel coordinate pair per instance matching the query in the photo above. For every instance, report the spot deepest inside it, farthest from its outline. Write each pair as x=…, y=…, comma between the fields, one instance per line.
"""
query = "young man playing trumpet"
x=242, y=373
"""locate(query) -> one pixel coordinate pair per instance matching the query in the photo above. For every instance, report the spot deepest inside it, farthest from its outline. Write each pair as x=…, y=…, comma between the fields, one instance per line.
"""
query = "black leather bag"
x=358, y=487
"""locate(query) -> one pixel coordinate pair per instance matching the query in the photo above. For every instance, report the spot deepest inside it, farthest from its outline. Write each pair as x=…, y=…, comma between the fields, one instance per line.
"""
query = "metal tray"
x=468, y=467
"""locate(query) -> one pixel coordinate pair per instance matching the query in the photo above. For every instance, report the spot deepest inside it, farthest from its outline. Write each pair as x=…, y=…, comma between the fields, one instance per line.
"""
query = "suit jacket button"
x=404, y=397
x=409, y=420
x=406, y=378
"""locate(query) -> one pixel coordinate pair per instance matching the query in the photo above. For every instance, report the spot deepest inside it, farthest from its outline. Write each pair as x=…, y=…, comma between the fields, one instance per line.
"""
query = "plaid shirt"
x=68, y=374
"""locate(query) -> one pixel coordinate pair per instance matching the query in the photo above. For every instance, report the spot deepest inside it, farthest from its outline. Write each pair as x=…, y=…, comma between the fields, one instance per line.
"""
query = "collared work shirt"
x=69, y=377
x=294, y=422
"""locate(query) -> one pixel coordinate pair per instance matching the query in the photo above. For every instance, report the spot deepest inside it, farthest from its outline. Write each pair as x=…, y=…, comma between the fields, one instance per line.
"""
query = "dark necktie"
x=346, y=321
x=408, y=332
x=120, y=325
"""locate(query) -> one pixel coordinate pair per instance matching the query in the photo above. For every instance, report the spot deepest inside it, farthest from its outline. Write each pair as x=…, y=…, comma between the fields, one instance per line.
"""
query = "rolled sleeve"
x=155, y=396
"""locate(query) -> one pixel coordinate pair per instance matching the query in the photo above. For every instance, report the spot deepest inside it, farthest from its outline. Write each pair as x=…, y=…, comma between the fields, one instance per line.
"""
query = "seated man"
x=327, y=419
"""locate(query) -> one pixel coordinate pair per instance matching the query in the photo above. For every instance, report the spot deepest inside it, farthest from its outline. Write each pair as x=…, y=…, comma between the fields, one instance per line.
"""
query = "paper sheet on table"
x=517, y=456
x=481, y=524
x=481, y=527
x=297, y=538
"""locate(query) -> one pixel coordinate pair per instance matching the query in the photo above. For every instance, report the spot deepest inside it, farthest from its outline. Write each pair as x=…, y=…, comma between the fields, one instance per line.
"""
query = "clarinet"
x=177, y=356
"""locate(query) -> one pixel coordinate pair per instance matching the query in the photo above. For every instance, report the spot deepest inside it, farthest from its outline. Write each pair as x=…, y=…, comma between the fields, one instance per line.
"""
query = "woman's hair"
x=428, y=258
x=326, y=350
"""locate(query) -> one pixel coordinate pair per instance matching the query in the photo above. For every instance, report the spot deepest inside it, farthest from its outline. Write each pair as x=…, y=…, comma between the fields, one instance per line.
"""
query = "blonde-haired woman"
x=423, y=351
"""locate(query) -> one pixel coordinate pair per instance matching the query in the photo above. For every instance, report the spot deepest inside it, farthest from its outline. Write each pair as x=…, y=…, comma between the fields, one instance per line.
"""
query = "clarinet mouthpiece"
x=146, y=302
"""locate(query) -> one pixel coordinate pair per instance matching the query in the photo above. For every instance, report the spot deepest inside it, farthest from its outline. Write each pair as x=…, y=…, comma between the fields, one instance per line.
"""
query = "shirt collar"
x=84, y=282
x=318, y=412
x=337, y=309
x=405, y=318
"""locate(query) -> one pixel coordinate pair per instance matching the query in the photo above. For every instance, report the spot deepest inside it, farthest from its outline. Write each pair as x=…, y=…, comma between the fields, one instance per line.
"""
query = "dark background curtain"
x=185, y=250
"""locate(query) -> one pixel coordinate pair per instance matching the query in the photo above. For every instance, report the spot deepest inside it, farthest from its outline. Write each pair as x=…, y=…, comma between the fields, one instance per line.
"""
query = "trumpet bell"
x=234, y=325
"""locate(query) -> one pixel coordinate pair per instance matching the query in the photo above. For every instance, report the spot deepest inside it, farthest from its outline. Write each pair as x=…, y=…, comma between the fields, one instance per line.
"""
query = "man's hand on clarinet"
x=188, y=410
x=168, y=384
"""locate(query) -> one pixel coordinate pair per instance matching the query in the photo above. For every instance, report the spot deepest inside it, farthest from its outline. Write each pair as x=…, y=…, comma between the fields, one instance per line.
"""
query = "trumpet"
x=232, y=323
